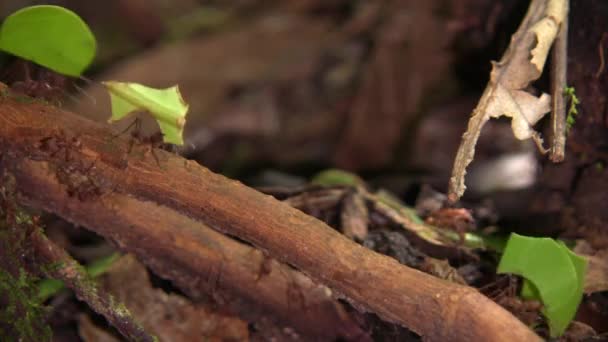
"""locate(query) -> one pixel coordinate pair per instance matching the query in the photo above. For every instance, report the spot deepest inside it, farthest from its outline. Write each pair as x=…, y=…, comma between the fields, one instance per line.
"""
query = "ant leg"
x=85, y=93
x=131, y=143
x=155, y=156
x=67, y=154
x=133, y=123
x=53, y=154
x=138, y=126
x=93, y=163
x=26, y=71
x=73, y=145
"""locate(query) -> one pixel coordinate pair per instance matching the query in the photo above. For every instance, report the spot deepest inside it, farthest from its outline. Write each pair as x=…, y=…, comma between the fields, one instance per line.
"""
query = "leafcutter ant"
x=28, y=79
x=79, y=184
x=35, y=81
x=58, y=142
x=71, y=171
x=151, y=141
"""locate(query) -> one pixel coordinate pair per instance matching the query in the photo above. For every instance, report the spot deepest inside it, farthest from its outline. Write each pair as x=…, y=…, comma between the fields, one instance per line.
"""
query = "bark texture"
x=77, y=169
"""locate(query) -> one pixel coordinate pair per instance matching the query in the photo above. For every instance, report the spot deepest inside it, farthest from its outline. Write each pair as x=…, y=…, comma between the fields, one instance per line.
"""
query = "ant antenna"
x=85, y=93
x=136, y=123
x=86, y=79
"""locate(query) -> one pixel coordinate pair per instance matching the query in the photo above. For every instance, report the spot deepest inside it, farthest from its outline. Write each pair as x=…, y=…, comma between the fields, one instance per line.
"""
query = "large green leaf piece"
x=166, y=105
x=552, y=274
x=51, y=36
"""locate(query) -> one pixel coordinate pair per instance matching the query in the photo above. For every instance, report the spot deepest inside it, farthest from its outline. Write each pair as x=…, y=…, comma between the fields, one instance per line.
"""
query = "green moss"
x=121, y=309
x=24, y=317
x=600, y=166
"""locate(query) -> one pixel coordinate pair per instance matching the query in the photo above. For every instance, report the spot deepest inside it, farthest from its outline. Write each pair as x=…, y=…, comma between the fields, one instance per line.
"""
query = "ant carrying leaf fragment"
x=26, y=79
x=166, y=106
x=58, y=39
x=151, y=142
x=51, y=44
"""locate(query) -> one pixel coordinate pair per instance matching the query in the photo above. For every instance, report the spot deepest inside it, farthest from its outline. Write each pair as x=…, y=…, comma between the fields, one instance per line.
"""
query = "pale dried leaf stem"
x=466, y=150
x=558, y=85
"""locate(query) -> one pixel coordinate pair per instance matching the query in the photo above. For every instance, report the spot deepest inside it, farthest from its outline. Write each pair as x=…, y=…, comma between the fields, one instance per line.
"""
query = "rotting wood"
x=434, y=308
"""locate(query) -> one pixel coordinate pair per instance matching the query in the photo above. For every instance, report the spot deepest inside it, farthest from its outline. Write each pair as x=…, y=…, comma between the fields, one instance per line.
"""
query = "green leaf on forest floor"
x=333, y=177
x=51, y=36
x=49, y=287
x=166, y=106
x=552, y=274
x=486, y=241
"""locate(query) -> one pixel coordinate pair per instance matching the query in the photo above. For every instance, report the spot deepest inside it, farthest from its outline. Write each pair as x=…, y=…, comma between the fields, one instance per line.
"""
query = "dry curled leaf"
x=507, y=91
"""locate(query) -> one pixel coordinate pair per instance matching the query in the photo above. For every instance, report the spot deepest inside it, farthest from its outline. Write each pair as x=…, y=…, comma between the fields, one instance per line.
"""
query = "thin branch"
x=64, y=267
x=558, y=83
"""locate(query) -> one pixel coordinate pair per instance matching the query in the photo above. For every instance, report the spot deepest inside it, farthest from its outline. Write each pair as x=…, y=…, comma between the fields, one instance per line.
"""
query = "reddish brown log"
x=436, y=309
x=196, y=258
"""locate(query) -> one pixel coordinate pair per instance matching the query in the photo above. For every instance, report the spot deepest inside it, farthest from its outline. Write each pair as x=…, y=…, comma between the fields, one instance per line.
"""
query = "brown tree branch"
x=197, y=259
x=55, y=155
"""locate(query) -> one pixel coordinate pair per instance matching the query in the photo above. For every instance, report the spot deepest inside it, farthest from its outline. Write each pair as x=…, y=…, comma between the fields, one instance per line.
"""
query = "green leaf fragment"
x=553, y=274
x=51, y=36
x=569, y=92
x=394, y=202
x=48, y=288
x=101, y=265
x=166, y=106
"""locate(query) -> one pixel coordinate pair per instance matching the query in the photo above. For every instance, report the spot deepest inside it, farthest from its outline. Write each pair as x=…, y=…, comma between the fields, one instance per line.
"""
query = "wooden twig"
x=559, y=72
x=64, y=267
x=436, y=309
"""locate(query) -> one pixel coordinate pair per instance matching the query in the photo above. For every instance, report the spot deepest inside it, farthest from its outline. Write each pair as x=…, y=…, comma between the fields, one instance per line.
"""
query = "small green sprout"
x=569, y=92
